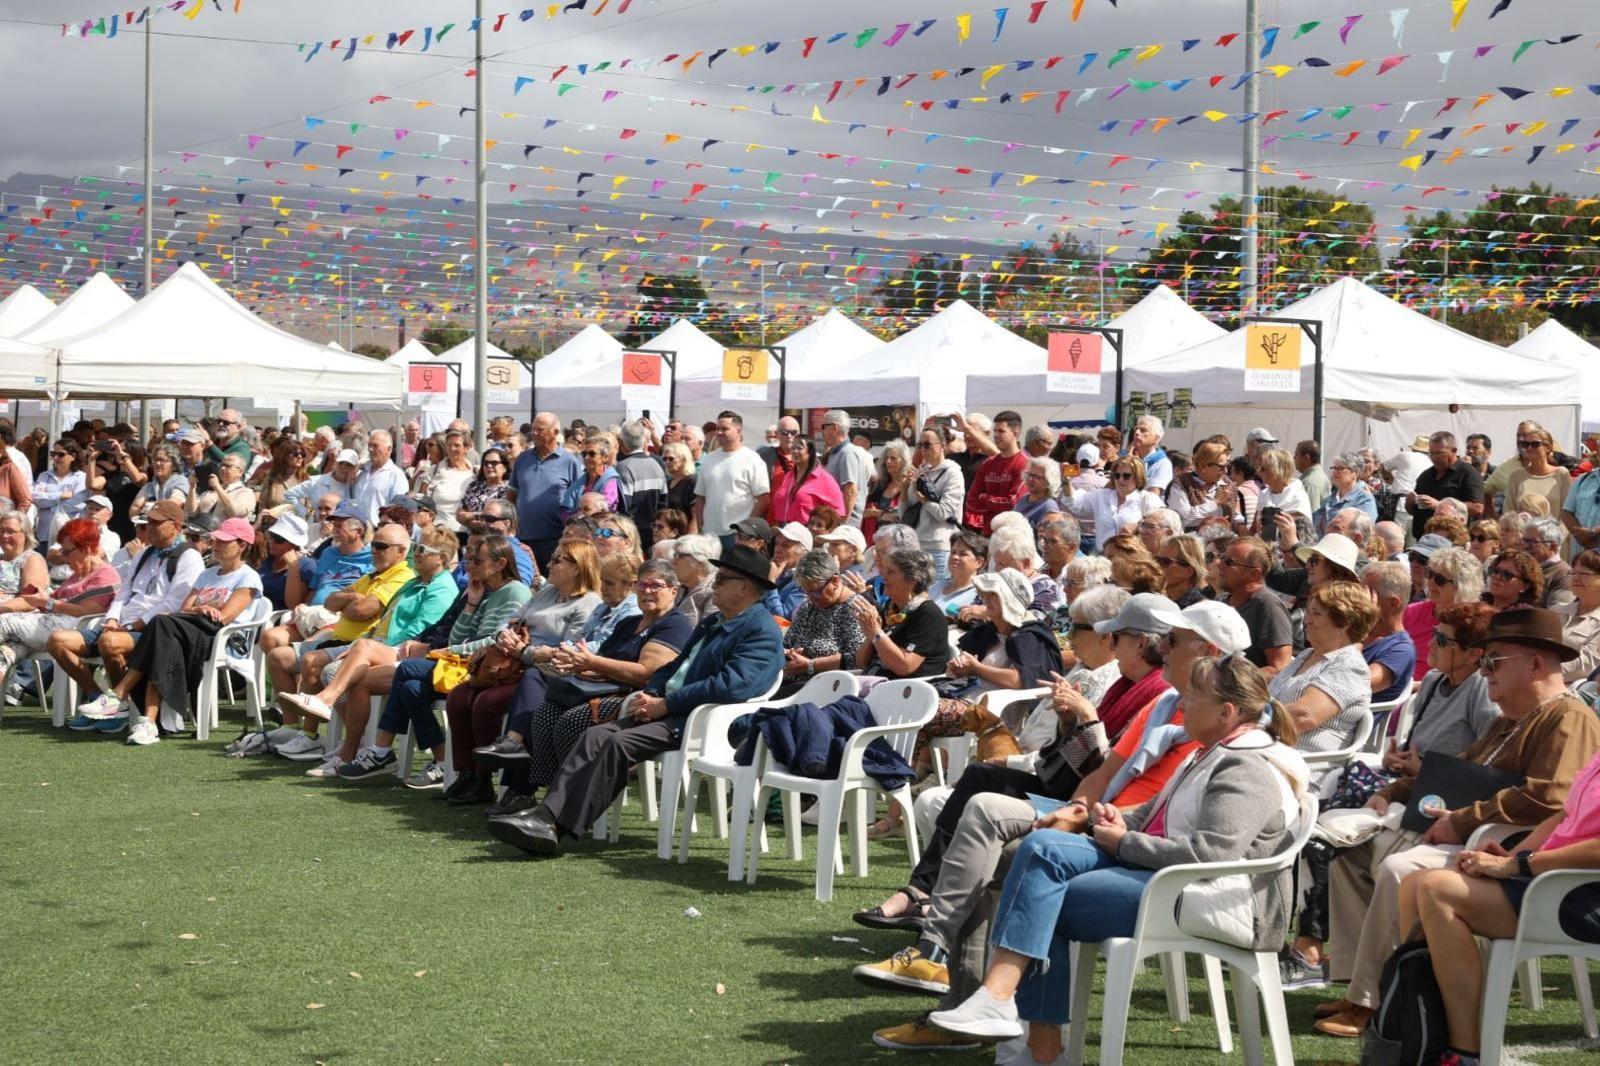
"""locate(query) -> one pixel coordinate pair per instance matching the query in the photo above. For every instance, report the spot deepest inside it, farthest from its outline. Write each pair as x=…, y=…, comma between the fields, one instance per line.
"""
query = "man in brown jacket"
x=1545, y=733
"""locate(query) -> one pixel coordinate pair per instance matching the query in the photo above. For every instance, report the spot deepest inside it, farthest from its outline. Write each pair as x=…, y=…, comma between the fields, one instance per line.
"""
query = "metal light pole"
x=480, y=347
x=1252, y=158
x=149, y=192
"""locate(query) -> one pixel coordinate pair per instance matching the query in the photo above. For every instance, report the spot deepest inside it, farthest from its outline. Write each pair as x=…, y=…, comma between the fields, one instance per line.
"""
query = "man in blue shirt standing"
x=541, y=477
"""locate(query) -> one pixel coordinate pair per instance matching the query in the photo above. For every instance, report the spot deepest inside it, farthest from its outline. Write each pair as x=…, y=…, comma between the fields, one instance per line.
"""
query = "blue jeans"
x=941, y=564
x=1062, y=887
x=409, y=707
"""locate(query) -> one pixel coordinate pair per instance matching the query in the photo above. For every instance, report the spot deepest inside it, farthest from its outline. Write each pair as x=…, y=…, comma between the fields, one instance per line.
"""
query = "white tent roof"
x=1374, y=352
x=22, y=309
x=96, y=302
x=189, y=338
x=466, y=353
x=1557, y=343
x=927, y=365
x=25, y=368
x=414, y=351
x=1158, y=325
x=829, y=343
x=574, y=362
x=697, y=364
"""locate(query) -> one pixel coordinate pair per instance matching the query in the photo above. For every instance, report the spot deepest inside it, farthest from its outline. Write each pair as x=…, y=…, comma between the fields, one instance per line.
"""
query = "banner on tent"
x=1272, y=358
x=428, y=387
x=745, y=374
x=1072, y=363
x=505, y=381
x=644, y=380
x=880, y=425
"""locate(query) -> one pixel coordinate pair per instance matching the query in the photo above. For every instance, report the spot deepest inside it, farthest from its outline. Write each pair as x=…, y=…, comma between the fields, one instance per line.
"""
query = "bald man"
x=541, y=477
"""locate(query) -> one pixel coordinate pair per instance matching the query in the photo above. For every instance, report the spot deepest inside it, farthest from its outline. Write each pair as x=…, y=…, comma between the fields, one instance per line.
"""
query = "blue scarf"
x=1160, y=736
x=1156, y=455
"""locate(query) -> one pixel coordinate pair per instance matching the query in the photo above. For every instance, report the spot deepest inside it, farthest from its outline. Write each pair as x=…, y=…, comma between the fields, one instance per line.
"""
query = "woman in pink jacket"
x=800, y=489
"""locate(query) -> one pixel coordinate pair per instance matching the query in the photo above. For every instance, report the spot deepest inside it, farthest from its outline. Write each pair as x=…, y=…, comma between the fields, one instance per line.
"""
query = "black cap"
x=755, y=527
x=748, y=563
x=206, y=522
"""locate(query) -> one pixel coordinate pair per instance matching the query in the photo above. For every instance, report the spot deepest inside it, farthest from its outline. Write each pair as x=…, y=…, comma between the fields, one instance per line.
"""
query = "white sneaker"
x=307, y=704
x=282, y=734
x=104, y=705
x=302, y=748
x=144, y=732
x=328, y=767
x=981, y=1016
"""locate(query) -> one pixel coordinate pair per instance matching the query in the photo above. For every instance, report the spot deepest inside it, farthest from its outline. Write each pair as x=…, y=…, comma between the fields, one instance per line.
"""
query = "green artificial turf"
x=168, y=904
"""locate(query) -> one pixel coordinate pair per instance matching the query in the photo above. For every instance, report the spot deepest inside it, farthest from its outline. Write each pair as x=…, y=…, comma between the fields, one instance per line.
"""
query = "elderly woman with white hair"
x=889, y=487
x=1084, y=573
x=1348, y=492
x=1041, y=483
x=1284, y=492
x=1157, y=527
x=1454, y=576
x=1012, y=547
x=694, y=560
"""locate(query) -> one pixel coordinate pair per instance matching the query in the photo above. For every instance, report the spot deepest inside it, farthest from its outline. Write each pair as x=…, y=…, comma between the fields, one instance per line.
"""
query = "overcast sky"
x=75, y=109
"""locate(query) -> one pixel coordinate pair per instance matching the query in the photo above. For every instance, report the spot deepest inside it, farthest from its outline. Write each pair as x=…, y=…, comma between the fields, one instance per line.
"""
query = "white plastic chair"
x=1319, y=760
x=710, y=757
x=1378, y=739
x=1539, y=934
x=1156, y=933
x=66, y=689
x=958, y=751
x=251, y=620
x=900, y=708
x=408, y=746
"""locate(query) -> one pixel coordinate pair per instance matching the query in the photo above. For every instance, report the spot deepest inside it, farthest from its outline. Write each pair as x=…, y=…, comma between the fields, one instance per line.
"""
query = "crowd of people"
x=1200, y=624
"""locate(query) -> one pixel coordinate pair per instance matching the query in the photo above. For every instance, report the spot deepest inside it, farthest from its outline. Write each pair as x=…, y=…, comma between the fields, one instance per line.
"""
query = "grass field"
x=170, y=904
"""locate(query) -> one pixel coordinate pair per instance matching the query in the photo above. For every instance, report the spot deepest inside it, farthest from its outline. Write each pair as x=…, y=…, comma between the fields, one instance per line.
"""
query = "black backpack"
x=1408, y=1027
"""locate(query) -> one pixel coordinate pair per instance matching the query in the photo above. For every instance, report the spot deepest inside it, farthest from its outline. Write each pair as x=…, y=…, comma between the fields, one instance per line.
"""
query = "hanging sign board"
x=504, y=377
x=643, y=379
x=744, y=374
x=1072, y=363
x=429, y=387
x=1272, y=358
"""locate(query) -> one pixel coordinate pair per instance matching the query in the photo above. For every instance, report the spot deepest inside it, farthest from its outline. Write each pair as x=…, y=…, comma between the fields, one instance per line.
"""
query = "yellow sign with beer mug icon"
x=744, y=374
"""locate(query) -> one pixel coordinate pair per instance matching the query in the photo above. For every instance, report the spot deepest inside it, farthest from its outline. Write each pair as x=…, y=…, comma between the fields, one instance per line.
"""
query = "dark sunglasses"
x=1122, y=475
x=1530, y=444
x=386, y=546
x=1439, y=579
x=1442, y=641
x=1505, y=575
x=1484, y=538
x=1167, y=560
x=60, y=455
x=591, y=454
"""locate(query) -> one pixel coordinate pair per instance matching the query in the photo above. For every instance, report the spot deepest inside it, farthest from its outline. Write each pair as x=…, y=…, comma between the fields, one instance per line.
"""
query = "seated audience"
x=1451, y=576
x=968, y=556
x=1483, y=539
x=1121, y=504
x=1041, y=483
x=1515, y=580
x=89, y=590
x=1059, y=539
x=1084, y=573
x=694, y=560
x=1327, y=689
x=908, y=639
x=1543, y=539
x=1388, y=650
x=826, y=631
x=1580, y=625
x=1183, y=568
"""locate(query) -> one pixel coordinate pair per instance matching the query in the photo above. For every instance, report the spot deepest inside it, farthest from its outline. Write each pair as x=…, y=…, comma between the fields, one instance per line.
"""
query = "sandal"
x=912, y=919
x=883, y=829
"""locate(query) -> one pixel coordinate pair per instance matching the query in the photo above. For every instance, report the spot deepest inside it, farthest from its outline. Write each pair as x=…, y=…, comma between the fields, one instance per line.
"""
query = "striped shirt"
x=1344, y=678
x=476, y=629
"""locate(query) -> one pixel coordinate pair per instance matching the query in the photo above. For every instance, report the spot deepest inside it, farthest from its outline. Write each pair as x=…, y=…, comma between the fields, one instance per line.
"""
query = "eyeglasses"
x=1492, y=663
x=1122, y=475
x=493, y=518
x=788, y=432
x=606, y=534
x=651, y=586
x=1585, y=574
x=1230, y=561
x=1167, y=560
x=1439, y=579
x=492, y=462
x=554, y=559
x=591, y=454
x=1505, y=575
x=388, y=547
x=1530, y=444
x=428, y=549
x=1442, y=641
x=1081, y=627
x=60, y=455
x=1484, y=538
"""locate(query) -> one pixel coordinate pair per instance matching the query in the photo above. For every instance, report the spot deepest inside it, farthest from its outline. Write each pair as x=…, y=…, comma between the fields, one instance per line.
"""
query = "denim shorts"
x=1579, y=913
x=91, y=637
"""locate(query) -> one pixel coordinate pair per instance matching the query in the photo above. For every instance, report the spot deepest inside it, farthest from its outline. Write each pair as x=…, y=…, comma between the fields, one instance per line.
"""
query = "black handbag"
x=568, y=691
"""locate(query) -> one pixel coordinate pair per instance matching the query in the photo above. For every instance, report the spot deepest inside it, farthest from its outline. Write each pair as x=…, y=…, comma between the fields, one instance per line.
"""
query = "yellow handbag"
x=449, y=670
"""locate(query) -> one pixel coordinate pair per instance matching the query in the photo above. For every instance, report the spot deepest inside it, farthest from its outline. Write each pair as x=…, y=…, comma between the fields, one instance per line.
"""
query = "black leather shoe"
x=532, y=831
x=510, y=803
x=480, y=790
x=501, y=754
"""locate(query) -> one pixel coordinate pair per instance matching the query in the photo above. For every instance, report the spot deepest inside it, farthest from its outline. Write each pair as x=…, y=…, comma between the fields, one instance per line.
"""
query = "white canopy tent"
x=23, y=309
x=1556, y=343
x=927, y=366
x=697, y=364
x=465, y=355
x=1389, y=374
x=96, y=302
x=579, y=379
x=25, y=369
x=189, y=338
x=1159, y=324
x=413, y=351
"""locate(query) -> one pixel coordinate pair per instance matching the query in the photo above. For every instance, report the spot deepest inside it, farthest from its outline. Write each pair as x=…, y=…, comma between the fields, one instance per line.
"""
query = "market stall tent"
x=927, y=366
x=190, y=338
x=22, y=309
x=579, y=378
x=1557, y=343
x=1390, y=374
x=94, y=303
x=1159, y=324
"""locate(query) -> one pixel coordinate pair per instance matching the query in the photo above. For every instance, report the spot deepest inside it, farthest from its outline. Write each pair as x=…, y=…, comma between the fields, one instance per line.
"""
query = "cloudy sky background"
x=75, y=110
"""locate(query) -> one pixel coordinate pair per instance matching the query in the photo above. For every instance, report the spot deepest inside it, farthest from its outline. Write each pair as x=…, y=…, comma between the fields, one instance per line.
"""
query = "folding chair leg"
x=1585, y=994
x=1218, y=995
x=1120, y=969
x=1175, y=982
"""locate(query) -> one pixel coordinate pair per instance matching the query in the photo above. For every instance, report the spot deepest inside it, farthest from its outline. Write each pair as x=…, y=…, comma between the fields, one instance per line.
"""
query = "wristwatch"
x=1524, y=863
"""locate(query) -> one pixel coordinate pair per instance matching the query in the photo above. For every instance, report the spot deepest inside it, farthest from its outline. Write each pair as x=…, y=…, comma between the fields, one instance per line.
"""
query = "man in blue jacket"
x=734, y=655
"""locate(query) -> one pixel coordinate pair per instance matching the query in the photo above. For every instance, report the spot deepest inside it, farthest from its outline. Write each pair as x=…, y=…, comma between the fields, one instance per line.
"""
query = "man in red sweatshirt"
x=998, y=482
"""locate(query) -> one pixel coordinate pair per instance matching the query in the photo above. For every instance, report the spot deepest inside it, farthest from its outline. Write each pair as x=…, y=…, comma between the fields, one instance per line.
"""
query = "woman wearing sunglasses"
x=1580, y=620
x=446, y=483
x=287, y=468
x=1183, y=567
x=1538, y=475
x=1483, y=540
x=56, y=489
x=599, y=475
x=1120, y=504
x=1515, y=580
x=1452, y=576
x=490, y=484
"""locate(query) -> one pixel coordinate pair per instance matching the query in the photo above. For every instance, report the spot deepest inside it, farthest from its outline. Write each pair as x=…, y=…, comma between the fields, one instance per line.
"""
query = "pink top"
x=1582, y=821
x=789, y=505
x=96, y=589
x=1418, y=620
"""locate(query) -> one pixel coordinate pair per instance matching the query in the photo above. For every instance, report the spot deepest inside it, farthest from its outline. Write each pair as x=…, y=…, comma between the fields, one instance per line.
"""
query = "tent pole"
x=480, y=369
x=149, y=203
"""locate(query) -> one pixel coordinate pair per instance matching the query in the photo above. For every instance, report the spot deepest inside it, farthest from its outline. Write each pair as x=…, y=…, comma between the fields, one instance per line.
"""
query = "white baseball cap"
x=849, y=534
x=348, y=455
x=1216, y=622
x=796, y=532
x=100, y=501
x=290, y=527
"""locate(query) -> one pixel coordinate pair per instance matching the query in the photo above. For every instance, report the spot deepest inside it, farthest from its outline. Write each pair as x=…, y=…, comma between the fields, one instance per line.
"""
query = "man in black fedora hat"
x=1544, y=735
x=735, y=654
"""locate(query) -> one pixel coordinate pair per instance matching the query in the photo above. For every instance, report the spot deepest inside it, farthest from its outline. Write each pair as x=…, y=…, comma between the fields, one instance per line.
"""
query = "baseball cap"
x=401, y=502
x=1139, y=615
x=205, y=523
x=426, y=503
x=798, y=533
x=1013, y=589
x=164, y=511
x=348, y=455
x=292, y=528
x=235, y=529
x=100, y=501
x=192, y=435
x=1261, y=435
x=1216, y=622
x=1088, y=455
x=754, y=527
x=352, y=510
x=849, y=535
x=1427, y=545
